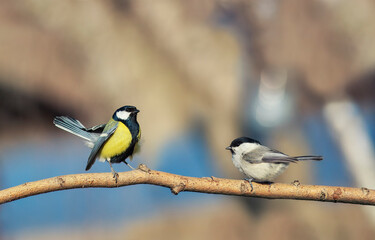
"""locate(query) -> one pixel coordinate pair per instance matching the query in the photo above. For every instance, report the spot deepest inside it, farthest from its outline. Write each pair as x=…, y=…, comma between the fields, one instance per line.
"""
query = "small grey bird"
x=260, y=163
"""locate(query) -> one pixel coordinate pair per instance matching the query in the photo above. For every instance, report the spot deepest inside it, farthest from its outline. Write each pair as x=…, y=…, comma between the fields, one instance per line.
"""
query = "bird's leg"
x=115, y=174
x=129, y=165
x=250, y=180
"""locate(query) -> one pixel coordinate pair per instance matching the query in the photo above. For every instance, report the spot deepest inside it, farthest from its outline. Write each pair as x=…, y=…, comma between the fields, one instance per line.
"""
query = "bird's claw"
x=115, y=176
x=250, y=181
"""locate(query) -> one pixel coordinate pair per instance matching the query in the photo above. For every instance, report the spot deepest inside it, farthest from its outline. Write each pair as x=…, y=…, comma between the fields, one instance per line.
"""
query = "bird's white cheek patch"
x=123, y=115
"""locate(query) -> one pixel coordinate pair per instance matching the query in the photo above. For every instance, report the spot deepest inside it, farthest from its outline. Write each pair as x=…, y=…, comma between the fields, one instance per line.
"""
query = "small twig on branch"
x=178, y=183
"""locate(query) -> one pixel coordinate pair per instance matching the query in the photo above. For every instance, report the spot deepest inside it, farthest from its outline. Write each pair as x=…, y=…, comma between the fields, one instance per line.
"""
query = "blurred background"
x=299, y=76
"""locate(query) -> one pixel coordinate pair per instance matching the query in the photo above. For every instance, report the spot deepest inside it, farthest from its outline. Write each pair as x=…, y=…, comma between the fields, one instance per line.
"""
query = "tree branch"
x=178, y=183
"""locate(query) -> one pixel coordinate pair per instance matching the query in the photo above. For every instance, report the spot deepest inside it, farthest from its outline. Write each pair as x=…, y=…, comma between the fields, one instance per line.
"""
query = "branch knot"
x=178, y=188
x=144, y=168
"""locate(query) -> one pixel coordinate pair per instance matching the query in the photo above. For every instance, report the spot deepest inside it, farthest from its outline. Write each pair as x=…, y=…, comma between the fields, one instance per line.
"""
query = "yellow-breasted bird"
x=112, y=142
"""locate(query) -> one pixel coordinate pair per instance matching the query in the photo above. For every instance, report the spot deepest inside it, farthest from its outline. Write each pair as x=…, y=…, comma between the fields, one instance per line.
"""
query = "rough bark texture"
x=178, y=183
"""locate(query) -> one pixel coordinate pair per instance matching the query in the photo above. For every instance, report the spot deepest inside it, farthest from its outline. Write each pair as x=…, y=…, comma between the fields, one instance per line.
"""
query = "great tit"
x=112, y=142
x=260, y=163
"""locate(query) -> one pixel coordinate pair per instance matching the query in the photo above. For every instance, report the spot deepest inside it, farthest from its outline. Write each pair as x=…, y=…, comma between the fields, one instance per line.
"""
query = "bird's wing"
x=103, y=137
x=263, y=154
x=96, y=129
x=255, y=156
x=274, y=156
x=279, y=159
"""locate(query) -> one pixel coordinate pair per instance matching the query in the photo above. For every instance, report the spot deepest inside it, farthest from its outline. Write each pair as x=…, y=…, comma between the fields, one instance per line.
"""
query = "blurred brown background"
x=298, y=75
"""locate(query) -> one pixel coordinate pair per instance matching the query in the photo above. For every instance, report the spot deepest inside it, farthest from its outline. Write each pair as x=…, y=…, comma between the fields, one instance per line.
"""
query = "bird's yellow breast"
x=117, y=143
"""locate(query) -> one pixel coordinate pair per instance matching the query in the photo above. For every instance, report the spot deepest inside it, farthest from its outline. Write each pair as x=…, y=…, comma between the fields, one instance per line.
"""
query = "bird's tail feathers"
x=304, y=158
x=75, y=127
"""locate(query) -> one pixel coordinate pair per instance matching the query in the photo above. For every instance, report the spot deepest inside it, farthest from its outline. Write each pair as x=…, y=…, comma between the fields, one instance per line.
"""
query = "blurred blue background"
x=298, y=76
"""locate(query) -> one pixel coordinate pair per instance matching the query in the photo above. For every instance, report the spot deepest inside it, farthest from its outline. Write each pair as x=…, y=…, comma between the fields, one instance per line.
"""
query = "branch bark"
x=178, y=183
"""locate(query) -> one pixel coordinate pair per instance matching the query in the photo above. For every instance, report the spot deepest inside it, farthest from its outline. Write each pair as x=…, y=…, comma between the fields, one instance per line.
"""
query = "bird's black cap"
x=126, y=109
x=238, y=141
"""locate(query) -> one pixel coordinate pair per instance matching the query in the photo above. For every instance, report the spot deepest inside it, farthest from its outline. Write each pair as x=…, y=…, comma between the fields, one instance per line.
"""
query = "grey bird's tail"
x=304, y=158
x=75, y=127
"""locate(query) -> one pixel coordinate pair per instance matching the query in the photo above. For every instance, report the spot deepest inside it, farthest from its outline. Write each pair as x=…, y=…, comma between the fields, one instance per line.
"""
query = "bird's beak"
x=228, y=148
x=136, y=111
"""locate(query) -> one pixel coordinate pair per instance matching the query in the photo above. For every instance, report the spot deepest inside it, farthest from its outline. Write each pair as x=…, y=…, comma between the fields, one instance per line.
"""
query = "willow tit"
x=260, y=163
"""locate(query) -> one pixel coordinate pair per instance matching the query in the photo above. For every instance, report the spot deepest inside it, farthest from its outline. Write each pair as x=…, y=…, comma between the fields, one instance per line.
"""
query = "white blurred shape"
x=272, y=104
x=349, y=131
